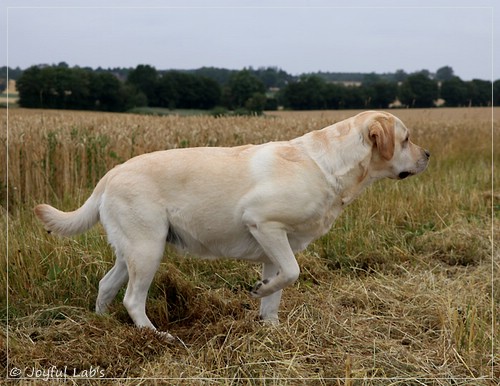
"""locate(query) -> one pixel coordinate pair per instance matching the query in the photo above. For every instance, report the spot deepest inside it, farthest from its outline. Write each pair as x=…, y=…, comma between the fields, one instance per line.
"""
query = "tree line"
x=62, y=87
x=58, y=87
x=247, y=90
x=417, y=90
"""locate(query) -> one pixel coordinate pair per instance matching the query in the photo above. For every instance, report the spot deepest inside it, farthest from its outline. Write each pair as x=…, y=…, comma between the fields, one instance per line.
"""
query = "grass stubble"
x=401, y=291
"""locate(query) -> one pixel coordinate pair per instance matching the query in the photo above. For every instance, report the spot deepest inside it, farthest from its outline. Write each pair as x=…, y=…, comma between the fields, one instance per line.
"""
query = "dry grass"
x=399, y=292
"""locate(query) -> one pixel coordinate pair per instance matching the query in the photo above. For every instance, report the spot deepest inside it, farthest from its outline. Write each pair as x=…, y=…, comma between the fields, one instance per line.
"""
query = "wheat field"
x=404, y=290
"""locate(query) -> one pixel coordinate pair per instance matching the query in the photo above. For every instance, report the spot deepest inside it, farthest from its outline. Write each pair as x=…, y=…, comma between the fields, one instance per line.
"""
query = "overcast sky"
x=296, y=36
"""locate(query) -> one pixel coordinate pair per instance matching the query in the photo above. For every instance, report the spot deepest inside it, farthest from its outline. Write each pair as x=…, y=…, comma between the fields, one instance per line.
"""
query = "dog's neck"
x=350, y=175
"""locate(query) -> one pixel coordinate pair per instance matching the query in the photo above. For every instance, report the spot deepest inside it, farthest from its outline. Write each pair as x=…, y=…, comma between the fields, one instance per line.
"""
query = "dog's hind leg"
x=137, y=228
x=143, y=259
x=111, y=283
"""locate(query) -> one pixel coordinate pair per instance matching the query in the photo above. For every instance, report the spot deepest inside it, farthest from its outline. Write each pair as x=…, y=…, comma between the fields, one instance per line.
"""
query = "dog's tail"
x=72, y=223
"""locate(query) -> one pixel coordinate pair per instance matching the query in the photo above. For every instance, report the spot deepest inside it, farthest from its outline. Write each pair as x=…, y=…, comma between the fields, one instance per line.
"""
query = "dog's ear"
x=382, y=136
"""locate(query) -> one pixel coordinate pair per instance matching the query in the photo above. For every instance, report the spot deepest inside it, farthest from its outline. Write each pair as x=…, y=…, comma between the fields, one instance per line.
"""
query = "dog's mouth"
x=403, y=175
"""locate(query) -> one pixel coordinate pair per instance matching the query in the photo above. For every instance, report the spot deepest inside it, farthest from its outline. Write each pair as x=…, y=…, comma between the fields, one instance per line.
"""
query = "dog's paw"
x=269, y=321
x=258, y=289
x=166, y=336
x=169, y=338
x=101, y=309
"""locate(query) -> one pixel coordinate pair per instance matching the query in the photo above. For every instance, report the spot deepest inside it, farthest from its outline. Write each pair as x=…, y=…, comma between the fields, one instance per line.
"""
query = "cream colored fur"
x=260, y=203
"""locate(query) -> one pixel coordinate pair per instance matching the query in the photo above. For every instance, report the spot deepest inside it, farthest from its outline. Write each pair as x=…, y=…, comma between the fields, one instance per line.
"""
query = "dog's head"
x=394, y=155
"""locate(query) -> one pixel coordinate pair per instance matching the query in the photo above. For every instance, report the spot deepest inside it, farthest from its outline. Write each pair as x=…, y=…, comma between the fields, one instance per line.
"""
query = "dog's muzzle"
x=403, y=175
x=422, y=164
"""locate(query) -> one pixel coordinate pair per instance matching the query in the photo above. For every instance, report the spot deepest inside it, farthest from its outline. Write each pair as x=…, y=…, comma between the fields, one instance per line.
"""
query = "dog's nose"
x=427, y=153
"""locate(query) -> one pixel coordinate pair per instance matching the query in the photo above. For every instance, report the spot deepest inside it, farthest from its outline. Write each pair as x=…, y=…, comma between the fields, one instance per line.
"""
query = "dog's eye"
x=407, y=139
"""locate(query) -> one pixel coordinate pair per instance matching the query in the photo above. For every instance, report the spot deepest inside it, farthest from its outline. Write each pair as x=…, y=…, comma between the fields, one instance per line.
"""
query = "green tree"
x=108, y=93
x=444, y=73
x=209, y=93
x=479, y=92
x=354, y=98
x=241, y=87
x=166, y=91
x=14, y=73
x=256, y=103
x=30, y=88
x=400, y=76
x=272, y=77
x=188, y=91
x=370, y=79
x=454, y=92
x=61, y=87
x=220, y=75
x=418, y=90
x=53, y=87
x=496, y=93
x=73, y=88
x=306, y=94
x=145, y=79
x=133, y=97
x=334, y=96
x=380, y=94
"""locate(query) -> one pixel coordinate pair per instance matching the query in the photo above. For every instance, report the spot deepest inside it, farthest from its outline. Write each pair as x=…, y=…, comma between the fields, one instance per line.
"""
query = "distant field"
x=11, y=99
x=10, y=96
x=160, y=111
x=404, y=286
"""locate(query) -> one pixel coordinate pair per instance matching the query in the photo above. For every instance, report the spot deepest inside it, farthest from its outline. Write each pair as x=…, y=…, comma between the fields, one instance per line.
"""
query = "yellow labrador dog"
x=261, y=203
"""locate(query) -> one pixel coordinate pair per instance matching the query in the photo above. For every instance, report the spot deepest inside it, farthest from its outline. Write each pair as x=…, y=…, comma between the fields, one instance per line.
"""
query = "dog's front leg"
x=274, y=241
x=269, y=305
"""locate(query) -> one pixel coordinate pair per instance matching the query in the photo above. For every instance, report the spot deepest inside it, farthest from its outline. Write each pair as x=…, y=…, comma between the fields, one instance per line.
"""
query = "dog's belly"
x=236, y=241
x=209, y=243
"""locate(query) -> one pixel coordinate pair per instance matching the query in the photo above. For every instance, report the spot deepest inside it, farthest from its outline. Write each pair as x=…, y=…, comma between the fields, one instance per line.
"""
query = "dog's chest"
x=303, y=234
